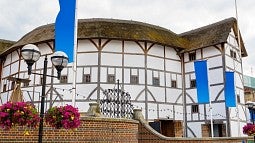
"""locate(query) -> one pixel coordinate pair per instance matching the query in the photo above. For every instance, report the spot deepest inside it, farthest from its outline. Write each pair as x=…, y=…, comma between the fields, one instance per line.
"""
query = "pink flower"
x=66, y=117
x=18, y=113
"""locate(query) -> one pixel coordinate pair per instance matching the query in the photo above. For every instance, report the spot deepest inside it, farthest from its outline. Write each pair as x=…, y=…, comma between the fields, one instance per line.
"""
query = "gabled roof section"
x=212, y=34
x=4, y=44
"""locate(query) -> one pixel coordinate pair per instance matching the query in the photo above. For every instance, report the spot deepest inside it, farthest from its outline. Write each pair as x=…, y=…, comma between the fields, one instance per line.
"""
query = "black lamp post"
x=31, y=54
x=251, y=106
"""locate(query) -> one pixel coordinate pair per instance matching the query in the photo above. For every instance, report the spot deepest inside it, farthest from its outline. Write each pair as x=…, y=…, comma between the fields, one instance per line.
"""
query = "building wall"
x=156, y=68
x=237, y=115
x=100, y=58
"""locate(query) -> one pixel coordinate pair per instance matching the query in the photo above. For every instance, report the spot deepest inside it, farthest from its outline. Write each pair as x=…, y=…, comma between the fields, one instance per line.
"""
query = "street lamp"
x=31, y=54
x=251, y=106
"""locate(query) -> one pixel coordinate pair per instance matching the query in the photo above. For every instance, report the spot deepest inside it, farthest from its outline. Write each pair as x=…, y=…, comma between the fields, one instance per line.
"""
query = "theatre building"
x=153, y=64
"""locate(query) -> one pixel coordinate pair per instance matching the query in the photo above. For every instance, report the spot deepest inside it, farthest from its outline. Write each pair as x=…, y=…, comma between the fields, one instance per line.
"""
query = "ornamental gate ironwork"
x=116, y=103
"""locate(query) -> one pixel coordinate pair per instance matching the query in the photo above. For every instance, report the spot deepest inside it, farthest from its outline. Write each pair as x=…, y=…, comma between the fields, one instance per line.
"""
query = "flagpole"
x=239, y=45
x=210, y=102
x=75, y=56
x=211, y=113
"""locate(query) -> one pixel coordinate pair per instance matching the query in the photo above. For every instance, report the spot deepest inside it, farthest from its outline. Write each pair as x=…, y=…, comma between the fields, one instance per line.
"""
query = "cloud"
x=18, y=17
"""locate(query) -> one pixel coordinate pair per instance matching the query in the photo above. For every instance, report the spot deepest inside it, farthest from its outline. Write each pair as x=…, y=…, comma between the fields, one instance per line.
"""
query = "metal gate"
x=116, y=103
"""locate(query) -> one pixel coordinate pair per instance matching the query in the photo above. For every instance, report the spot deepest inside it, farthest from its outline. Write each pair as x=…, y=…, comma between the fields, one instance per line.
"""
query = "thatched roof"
x=131, y=30
x=4, y=44
x=108, y=28
x=212, y=34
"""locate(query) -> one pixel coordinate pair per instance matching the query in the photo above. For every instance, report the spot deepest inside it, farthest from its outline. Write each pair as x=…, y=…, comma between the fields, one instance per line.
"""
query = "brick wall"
x=148, y=135
x=91, y=130
x=105, y=130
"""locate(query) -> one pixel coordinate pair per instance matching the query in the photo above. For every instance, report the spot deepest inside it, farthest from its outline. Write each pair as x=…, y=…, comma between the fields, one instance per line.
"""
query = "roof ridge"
x=7, y=41
x=231, y=19
x=125, y=21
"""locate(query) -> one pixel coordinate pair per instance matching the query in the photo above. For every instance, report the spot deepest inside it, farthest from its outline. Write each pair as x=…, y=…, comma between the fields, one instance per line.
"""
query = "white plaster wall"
x=6, y=71
x=14, y=67
x=193, y=93
x=189, y=67
x=213, y=79
x=178, y=112
x=44, y=48
x=132, y=47
x=166, y=111
x=157, y=50
x=134, y=92
x=141, y=76
x=211, y=51
x=103, y=76
x=133, y=60
x=94, y=73
x=171, y=53
x=172, y=95
x=85, y=46
x=155, y=63
x=7, y=60
x=87, y=59
x=174, y=66
x=111, y=59
x=215, y=90
x=158, y=93
x=196, y=128
x=214, y=61
x=152, y=113
x=198, y=54
x=15, y=56
x=113, y=46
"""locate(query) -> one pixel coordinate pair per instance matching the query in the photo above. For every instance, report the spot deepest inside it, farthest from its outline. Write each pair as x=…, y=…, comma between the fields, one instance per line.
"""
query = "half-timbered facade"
x=153, y=64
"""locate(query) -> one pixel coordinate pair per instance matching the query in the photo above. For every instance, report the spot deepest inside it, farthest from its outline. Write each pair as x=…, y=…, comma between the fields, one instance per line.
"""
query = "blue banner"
x=64, y=28
x=252, y=116
x=202, y=81
x=230, y=97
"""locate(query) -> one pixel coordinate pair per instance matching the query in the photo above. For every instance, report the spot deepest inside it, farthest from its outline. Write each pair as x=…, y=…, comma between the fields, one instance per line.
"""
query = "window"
x=111, y=78
x=238, y=98
x=86, y=78
x=25, y=84
x=4, y=87
x=173, y=84
x=192, y=56
x=13, y=85
x=194, y=109
x=233, y=54
x=134, y=79
x=155, y=81
x=192, y=83
x=63, y=79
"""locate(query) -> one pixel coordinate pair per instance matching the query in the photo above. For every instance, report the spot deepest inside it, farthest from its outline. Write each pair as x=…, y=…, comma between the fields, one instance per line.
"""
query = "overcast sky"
x=18, y=17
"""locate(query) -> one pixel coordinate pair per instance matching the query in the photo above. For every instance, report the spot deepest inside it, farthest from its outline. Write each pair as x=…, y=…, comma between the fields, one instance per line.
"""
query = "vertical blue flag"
x=64, y=28
x=202, y=81
x=230, y=97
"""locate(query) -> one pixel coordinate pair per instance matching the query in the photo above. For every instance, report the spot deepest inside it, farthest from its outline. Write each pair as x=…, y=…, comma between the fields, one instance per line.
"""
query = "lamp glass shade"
x=59, y=59
x=30, y=53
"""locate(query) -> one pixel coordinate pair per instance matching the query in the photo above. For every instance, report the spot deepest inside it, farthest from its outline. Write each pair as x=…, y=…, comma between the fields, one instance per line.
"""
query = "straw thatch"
x=4, y=44
x=212, y=34
x=131, y=30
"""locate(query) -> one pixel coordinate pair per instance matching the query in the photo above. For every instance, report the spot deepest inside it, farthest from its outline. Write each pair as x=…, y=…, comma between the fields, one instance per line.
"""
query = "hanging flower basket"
x=249, y=129
x=18, y=114
x=66, y=117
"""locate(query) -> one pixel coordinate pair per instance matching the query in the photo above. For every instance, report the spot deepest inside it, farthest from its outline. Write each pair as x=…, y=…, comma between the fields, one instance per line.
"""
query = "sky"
x=18, y=17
